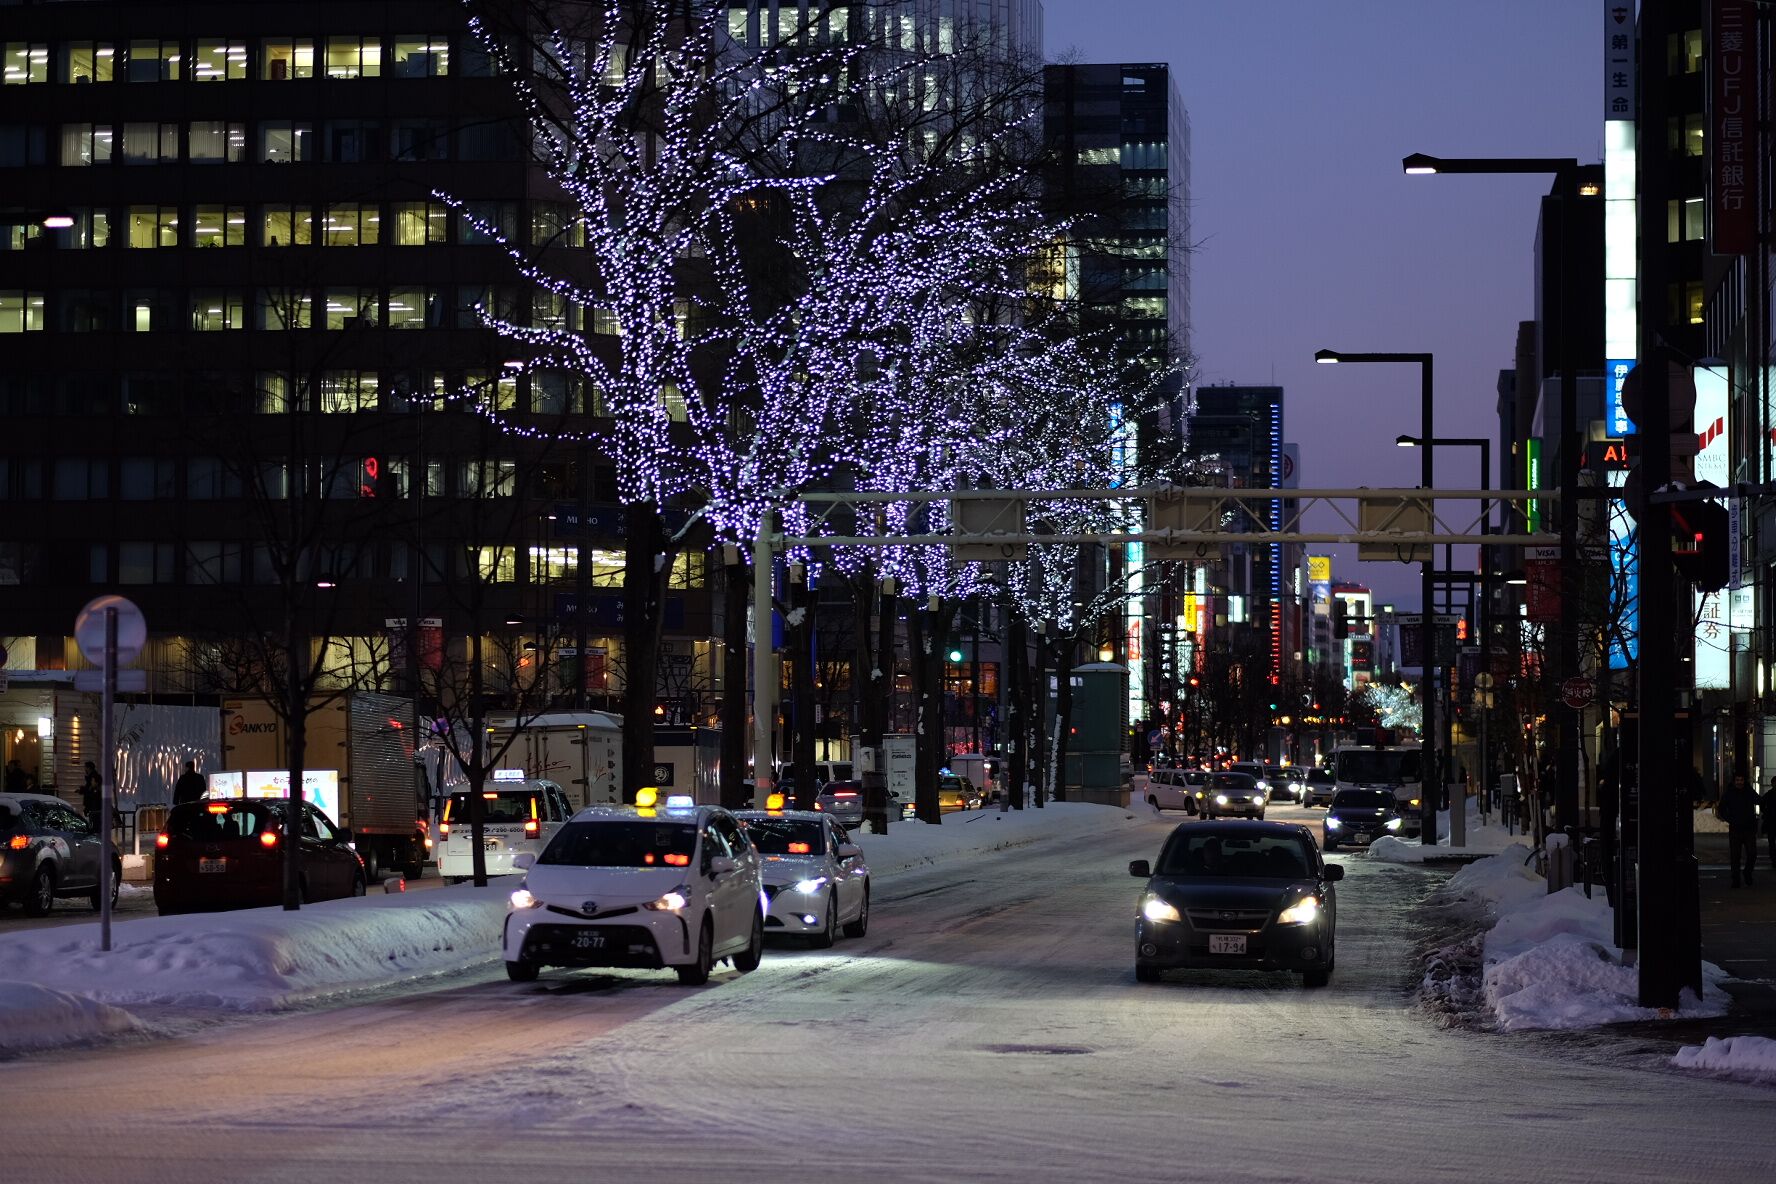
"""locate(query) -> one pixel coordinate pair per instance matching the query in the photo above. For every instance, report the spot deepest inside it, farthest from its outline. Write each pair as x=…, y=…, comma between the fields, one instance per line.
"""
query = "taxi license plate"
x=1227, y=943
x=588, y=941
x=212, y=865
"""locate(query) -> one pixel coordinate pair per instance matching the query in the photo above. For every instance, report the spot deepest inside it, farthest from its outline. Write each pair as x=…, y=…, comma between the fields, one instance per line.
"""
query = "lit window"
x=489, y=478
x=86, y=143
x=216, y=60
x=1110, y=155
x=214, y=310
x=286, y=226
x=150, y=143
x=283, y=142
x=18, y=228
x=350, y=308
x=153, y=61
x=352, y=56
x=284, y=58
x=421, y=56
x=348, y=390
x=153, y=226
x=418, y=223
x=20, y=311
x=219, y=226
x=495, y=565
x=148, y=310
x=283, y=308
x=216, y=141
x=348, y=224
x=413, y=308
x=88, y=61
x=24, y=62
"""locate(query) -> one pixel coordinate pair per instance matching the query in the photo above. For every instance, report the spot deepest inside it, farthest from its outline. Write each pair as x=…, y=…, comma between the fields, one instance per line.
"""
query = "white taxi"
x=676, y=886
x=816, y=881
x=518, y=817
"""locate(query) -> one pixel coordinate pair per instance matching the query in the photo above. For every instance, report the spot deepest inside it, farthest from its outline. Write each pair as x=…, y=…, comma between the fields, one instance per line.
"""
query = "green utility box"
x=1099, y=736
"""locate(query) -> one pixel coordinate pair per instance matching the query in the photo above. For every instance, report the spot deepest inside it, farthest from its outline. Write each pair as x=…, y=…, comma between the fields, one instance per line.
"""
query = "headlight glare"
x=1155, y=909
x=672, y=902
x=1302, y=912
x=1220, y=799
x=522, y=899
x=807, y=886
x=1393, y=824
x=1333, y=824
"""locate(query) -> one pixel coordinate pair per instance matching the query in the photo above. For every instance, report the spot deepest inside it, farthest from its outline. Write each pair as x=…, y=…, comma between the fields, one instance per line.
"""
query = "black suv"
x=49, y=849
x=1360, y=816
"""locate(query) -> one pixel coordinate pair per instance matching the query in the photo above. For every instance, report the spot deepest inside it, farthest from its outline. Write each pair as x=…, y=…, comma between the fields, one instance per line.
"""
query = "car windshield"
x=1276, y=773
x=212, y=821
x=502, y=809
x=1319, y=776
x=785, y=836
x=1235, y=781
x=1363, y=799
x=1220, y=855
x=1378, y=766
x=624, y=843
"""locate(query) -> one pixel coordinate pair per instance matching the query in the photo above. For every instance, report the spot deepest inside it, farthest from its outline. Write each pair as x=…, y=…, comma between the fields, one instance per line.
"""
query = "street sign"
x=89, y=630
x=1578, y=691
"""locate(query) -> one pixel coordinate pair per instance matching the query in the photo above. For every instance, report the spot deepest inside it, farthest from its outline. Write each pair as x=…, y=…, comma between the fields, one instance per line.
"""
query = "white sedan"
x=816, y=881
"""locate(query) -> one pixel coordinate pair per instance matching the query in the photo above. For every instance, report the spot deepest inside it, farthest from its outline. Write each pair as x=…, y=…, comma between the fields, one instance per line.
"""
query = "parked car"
x=815, y=878
x=674, y=887
x=1238, y=895
x=48, y=850
x=1177, y=789
x=957, y=793
x=1321, y=785
x=1233, y=795
x=227, y=853
x=1360, y=816
x=517, y=816
x=843, y=800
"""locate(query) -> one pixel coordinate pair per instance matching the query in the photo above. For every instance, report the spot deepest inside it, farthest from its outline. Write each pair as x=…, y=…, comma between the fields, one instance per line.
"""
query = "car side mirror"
x=721, y=865
x=1141, y=868
x=1334, y=871
x=524, y=860
x=849, y=850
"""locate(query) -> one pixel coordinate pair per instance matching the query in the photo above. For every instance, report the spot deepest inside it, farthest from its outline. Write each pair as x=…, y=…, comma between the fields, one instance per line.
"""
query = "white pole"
x=108, y=778
x=764, y=667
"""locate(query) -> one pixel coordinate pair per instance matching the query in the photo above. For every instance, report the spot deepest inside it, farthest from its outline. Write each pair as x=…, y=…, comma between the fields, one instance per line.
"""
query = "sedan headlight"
x=805, y=887
x=1414, y=802
x=1264, y=786
x=1302, y=912
x=1155, y=909
x=1393, y=824
x=1333, y=824
x=1220, y=799
x=672, y=902
x=522, y=899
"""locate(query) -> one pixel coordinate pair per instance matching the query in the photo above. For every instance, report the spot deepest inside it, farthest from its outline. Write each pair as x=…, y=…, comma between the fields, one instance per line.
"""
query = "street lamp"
x=1430, y=777
x=1565, y=170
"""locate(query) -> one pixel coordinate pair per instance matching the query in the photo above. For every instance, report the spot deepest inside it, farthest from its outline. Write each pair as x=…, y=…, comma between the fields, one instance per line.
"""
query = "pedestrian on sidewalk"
x=1767, y=814
x=190, y=786
x=1738, y=809
x=92, y=790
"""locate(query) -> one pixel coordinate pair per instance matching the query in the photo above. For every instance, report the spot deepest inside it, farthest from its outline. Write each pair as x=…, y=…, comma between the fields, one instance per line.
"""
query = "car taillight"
x=268, y=838
x=530, y=826
x=20, y=842
x=845, y=793
x=673, y=860
x=162, y=839
x=444, y=829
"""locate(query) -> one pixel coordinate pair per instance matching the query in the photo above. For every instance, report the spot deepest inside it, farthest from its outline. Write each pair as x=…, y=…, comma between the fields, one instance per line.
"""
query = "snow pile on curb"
x=1549, y=961
x=1482, y=839
x=970, y=832
x=33, y=1017
x=1739, y=1056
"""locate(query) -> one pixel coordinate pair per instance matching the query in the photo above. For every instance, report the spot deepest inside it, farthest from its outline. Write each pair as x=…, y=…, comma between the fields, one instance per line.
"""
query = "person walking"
x=16, y=781
x=1738, y=809
x=1767, y=815
x=190, y=786
x=92, y=791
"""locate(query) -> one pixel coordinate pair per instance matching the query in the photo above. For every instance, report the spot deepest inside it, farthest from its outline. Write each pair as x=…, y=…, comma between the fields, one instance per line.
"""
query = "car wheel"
x=454, y=879
x=116, y=886
x=372, y=861
x=747, y=960
x=521, y=972
x=860, y=926
x=359, y=886
x=1153, y=801
x=42, y=897
x=824, y=939
x=696, y=974
x=1146, y=974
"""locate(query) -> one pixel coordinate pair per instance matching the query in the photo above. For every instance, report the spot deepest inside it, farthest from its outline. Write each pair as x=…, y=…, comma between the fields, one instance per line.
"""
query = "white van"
x=1177, y=789
x=518, y=816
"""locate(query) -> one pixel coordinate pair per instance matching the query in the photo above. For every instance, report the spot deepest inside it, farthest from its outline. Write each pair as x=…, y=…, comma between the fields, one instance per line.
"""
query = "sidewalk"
x=1739, y=929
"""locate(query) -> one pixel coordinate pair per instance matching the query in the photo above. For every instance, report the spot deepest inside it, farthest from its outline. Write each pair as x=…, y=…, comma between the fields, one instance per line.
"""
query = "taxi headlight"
x=1220, y=799
x=1155, y=909
x=806, y=887
x=1333, y=824
x=672, y=902
x=1302, y=912
x=1393, y=824
x=522, y=899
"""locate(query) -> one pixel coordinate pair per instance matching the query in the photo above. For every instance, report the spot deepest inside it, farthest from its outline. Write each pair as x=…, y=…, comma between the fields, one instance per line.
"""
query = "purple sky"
x=1311, y=237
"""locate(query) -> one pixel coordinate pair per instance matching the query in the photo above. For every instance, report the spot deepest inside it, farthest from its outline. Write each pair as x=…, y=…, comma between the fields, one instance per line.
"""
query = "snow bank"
x=1501, y=883
x=259, y=959
x=970, y=832
x=33, y=1017
x=1740, y=1056
x=1481, y=839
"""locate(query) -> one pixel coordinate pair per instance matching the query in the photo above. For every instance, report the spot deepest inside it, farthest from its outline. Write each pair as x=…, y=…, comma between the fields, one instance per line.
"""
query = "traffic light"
x=1699, y=543
x=1340, y=619
x=955, y=654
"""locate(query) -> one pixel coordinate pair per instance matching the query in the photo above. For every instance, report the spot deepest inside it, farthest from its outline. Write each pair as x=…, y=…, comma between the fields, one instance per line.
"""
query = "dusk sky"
x=1309, y=236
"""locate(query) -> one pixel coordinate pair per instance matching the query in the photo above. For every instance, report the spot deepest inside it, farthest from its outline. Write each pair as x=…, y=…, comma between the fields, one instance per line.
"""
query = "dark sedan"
x=1233, y=793
x=1360, y=816
x=1238, y=896
x=228, y=854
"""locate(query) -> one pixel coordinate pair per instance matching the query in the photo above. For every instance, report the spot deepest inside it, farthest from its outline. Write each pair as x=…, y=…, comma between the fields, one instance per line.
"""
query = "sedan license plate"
x=212, y=865
x=1227, y=943
x=588, y=941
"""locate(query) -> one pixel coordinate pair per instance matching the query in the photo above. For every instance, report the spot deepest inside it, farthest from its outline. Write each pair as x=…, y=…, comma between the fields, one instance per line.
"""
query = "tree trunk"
x=927, y=665
x=733, y=701
x=1017, y=711
x=872, y=672
x=295, y=678
x=1063, y=671
x=644, y=578
x=476, y=770
x=801, y=658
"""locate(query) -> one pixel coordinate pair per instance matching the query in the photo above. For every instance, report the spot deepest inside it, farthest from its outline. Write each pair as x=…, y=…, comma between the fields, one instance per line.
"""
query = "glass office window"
x=283, y=308
x=351, y=56
x=153, y=61
x=420, y=139
x=214, y=310
x=87, y=61
x=483, y=220
x=208, y=479
x=556, y=224
x=348, y=224
x=21, y=311
x=415, y=308
x=23, y=62
x=418, y=223
x=421, y=56
x=286, y=226
x=22, y=145
x=153, y=226
x=350, y=308
x=79, y=478
x=86, y=310
x=348, y=390
x=213, y=562
x=150, y=143
x=271, y=394
x=145, y=478
x=351, y=141
x=86, y=143
x=284, y=58
x=216, y=141
x=145, y=563
x=92, y=228
x=148, y=310
x=17, y=228
x=284, y=142
x=216, y=59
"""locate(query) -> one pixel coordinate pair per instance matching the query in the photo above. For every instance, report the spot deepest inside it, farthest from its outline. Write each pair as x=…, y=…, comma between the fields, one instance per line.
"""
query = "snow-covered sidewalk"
x=1550, y=960
x=1481, y=839
x=57, y=987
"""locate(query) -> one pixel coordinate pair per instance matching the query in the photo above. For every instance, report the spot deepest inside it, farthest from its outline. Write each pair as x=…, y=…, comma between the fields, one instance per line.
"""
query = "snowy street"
x=988, y=1028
